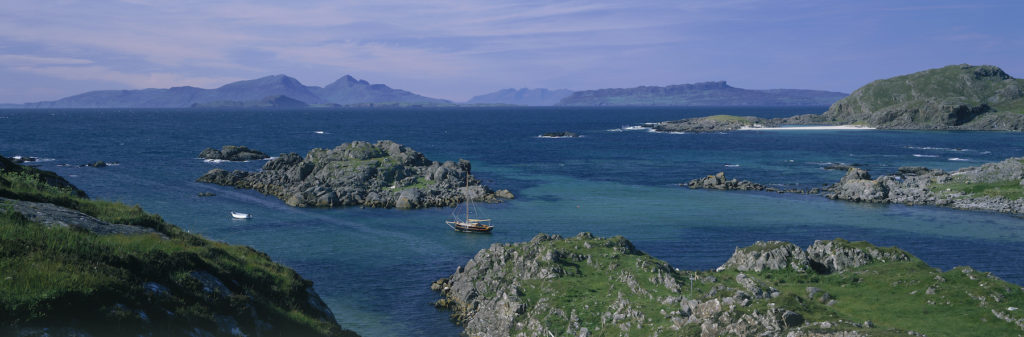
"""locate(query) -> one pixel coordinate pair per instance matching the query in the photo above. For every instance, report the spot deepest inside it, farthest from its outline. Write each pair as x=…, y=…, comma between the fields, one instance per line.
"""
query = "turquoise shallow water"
x=374, y=267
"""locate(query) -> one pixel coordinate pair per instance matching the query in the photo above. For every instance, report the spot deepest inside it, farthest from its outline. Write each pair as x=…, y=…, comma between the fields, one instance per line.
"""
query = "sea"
x=374, y=267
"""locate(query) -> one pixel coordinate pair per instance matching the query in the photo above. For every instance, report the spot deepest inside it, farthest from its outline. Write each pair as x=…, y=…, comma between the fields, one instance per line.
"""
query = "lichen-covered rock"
x=768, y=255
x=857, y=185
x=839, y=255
x=385, y=174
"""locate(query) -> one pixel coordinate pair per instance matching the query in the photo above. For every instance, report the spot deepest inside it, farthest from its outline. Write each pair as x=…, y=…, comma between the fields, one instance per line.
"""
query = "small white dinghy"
x=238, y=215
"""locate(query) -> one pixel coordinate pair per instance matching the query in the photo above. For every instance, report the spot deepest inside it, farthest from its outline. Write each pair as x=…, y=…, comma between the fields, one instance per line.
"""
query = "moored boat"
x=463, y=223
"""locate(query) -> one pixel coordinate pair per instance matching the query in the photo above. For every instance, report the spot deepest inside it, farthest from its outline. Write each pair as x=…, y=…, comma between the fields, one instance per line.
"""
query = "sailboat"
x=467, y=224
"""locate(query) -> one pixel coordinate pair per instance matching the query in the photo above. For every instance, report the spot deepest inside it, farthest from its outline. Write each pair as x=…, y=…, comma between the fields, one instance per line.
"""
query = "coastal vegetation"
x=72, y=266
x=961, y=97
x=585, y=285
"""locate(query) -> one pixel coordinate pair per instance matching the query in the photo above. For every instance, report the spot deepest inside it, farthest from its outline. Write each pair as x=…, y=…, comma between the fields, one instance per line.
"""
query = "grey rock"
x=719, y=182
x=922, y=186
x=232, y=153
x=839, y=255
x=768, y=255
x=792, y=319
x=57, y=216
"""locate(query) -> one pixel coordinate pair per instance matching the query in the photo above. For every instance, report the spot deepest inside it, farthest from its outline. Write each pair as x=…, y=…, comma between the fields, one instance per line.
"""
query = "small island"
x=716, y=123
x=232, y=153
x=385, y=175
x=560, y=134
x=590, y=286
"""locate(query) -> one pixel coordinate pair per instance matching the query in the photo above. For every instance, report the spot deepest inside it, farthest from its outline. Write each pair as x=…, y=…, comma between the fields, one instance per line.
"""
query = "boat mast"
x=467, y=197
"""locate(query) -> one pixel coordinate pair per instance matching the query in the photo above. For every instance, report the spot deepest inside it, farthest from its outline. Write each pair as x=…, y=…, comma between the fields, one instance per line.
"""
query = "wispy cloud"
x=143, y=43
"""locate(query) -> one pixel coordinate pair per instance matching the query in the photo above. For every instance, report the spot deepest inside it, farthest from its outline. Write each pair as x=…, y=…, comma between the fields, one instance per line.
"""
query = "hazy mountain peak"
x=347, y=81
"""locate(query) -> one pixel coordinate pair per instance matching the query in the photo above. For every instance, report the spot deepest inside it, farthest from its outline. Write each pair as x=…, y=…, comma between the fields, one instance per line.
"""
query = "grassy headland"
x=167, y=282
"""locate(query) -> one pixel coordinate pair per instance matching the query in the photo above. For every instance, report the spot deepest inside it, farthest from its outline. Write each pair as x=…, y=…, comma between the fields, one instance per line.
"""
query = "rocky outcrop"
x=770, y=255
x=719, y=182
x=839, y=255
x=232, y=153
x=585, y=286
x=823, y=257
x=560, y=134
x=385, y=174
x=991, y=187
x=995, y=187
x=715, y=123
x=56, y=216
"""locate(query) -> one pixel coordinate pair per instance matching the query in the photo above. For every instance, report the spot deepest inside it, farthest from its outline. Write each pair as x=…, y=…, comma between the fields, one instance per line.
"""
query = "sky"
x=457, y=49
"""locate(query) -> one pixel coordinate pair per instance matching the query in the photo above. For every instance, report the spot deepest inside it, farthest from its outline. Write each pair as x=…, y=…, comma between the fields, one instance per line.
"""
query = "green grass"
x=420, y=183
x=54, y=274
x=892, y=294
x=1009, y=189
x=589, y=290
x=730, y=119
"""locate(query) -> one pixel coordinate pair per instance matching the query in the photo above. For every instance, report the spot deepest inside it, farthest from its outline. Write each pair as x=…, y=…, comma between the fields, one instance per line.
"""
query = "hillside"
x=348, y=90
x=956, y=97
x=72, y=266
x=700, y=94
x=270, y=91
x=589, y=286
x=524, y=96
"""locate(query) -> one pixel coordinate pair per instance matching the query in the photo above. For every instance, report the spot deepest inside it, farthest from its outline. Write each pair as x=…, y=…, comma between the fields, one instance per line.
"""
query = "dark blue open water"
x=374, y=267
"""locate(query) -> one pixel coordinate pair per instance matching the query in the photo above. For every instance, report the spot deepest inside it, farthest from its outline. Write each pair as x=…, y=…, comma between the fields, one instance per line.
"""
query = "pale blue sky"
x=455, y=49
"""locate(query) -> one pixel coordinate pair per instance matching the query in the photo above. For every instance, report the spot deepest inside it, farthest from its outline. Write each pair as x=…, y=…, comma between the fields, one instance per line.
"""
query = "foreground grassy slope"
x=604, y=287
x=165, y=283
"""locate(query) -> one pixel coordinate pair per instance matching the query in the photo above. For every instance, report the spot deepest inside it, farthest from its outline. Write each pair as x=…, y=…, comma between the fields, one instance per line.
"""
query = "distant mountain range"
x=700, y=94
x=281, y=91
x=270, y=91
x=524, y=96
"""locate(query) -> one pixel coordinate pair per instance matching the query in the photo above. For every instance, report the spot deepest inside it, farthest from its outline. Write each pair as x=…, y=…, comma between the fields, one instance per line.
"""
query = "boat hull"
x=470, y=227
x=466, y=229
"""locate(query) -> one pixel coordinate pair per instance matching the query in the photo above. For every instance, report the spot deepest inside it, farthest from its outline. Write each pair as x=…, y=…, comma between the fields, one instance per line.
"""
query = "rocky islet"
x=385, y=175
x=995, y=186
x=232, y=153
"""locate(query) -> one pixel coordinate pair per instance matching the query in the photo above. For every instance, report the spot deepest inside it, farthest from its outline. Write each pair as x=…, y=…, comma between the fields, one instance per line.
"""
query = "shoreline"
x=801, y=128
